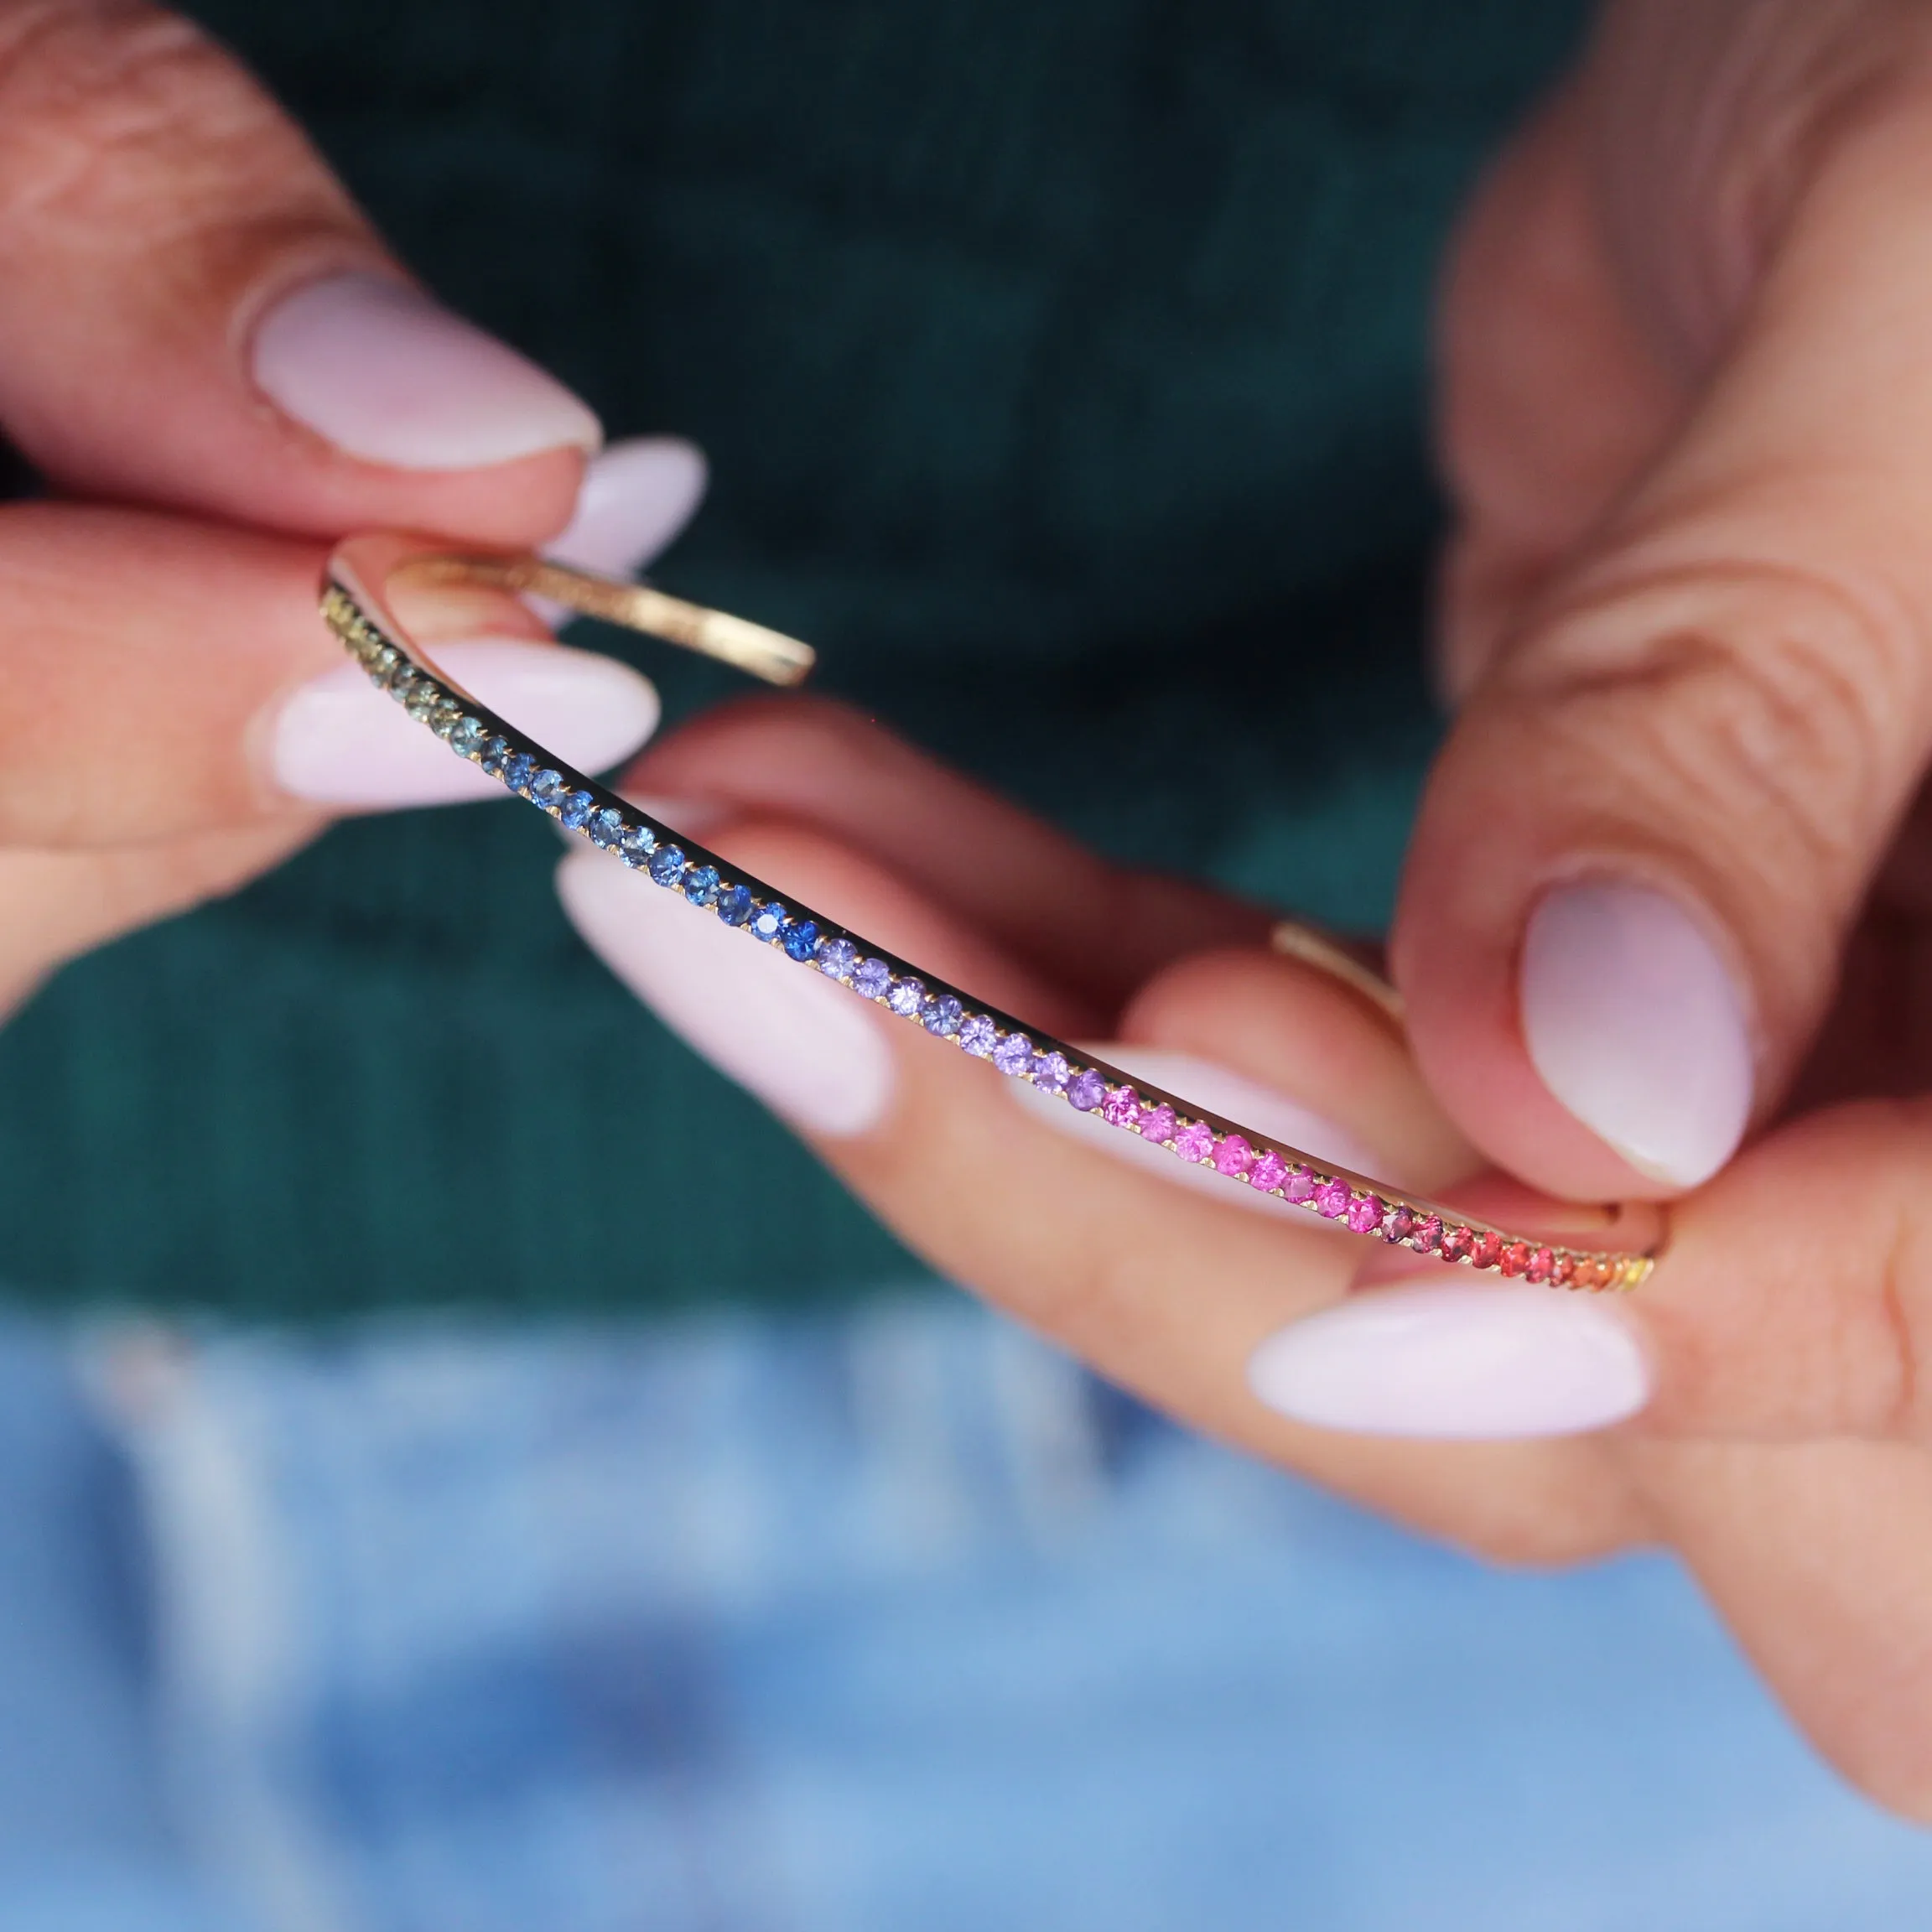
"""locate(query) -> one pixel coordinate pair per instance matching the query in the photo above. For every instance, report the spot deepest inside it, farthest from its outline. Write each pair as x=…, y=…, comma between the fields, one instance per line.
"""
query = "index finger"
x=1164, y=1289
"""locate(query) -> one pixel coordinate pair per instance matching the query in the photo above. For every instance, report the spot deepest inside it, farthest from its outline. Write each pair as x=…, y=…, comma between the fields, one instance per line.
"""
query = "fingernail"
x=378, y=369
x=1470, y=1361
x=1635, y=1025
x=1220, y=1091
x=635, y=498
x=338, y=740
x=813, y=1054
x=693, y=817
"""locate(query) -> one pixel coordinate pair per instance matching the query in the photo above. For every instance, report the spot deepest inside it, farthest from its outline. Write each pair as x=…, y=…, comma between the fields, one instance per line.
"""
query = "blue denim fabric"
x=863, y=1624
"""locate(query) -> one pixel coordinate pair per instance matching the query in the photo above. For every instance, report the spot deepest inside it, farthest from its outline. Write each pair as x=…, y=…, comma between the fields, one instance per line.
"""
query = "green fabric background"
x=1061, y=366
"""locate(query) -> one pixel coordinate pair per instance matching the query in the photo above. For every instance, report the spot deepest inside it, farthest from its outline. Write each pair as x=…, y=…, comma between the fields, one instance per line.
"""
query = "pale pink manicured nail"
x=1637, y=1026
x=338, y=740
x=636, y=495
x=1222, y=1092
x=813, y=1053
x=1466, y=1360
x=375, y=366
x=692, y=818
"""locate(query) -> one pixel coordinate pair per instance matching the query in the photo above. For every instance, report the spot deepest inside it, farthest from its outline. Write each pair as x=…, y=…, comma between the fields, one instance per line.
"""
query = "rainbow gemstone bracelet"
x=356, y=606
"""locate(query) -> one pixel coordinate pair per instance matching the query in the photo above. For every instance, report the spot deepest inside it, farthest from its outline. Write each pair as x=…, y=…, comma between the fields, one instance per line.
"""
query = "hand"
x=217, y=367
x=1686, y=417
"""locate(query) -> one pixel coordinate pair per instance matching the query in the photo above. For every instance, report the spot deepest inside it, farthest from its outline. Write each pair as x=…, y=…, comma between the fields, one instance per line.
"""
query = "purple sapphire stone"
x=1051, y=1072
x=977, y=1035
x=1087, y=1090
x=1014, y=1054
x=837, y=957
x=941, y=1015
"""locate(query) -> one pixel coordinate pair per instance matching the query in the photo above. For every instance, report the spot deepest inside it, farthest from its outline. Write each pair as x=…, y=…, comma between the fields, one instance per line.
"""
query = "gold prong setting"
x=708, y=883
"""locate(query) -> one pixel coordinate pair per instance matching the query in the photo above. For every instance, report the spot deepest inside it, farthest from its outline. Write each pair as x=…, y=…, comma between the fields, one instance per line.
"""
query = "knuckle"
x=113, y=111
x=1774, y=701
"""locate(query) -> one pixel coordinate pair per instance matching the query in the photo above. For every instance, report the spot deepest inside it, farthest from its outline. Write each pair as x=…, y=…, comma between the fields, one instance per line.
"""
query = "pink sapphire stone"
x=1428, y=1235
x=1331, y=1199
x=1542, y=1265
x=1398, y=1225
x=1233, y=1157
x=1300, y=1185
x=1194, y=1142
x=1121, y=1108
x=1158, y=1126
x=1269, y=1172
x=1365, y=1213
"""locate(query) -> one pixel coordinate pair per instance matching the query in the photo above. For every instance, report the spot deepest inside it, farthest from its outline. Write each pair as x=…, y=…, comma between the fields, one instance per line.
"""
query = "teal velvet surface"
x=1061, y=366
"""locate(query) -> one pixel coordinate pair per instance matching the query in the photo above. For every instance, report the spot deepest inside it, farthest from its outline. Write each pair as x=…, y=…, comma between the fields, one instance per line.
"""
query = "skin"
x=153, y=201
x=1685, y=411
x=1686, y=418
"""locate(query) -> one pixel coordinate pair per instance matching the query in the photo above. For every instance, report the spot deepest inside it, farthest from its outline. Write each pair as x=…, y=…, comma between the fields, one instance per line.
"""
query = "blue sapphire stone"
x=734, y=905
x=701, y=884
x=606, y=828
x=573, y=808
x=769, y=919
x=495, y=756
x=636, y=845
x=667, y=862
x=467, y=739
x=800, y=938
x=546, y=786
x=516, y=770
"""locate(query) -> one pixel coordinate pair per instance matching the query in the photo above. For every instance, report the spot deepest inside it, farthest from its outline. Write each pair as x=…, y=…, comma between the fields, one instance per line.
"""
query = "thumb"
x=194, y=314
x=1652, y=826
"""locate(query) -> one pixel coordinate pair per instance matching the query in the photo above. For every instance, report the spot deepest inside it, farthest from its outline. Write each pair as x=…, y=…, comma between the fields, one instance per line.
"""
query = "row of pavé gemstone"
x=942, y=1013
